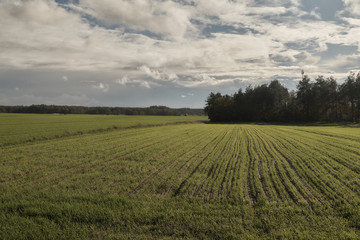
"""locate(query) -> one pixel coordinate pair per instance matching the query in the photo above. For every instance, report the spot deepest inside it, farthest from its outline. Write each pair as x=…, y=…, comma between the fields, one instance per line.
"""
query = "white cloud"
x=35, y=11
x=101, y=86
x=340, y=62
x=122, y=81
x=233, y=11
x=65, y=78
x=158, y=75
x=265, y=38
x=38, y=34
x=353, y=21
x=152, y=73
x=352, y=6
x=144, y=84
x=203, y=80
x=160, y=17
x=216, y=7
x=315, y=13
x=126, y=81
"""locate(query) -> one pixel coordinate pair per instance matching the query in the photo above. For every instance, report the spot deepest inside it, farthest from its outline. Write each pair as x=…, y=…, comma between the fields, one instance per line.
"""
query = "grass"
x=18, y=128
x=184, y=181
x=66, y=216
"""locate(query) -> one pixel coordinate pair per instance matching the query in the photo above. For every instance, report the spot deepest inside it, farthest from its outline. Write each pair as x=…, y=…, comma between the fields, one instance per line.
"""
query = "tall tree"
x=357, y=95
x=348, y=94
x=321, y=100
x=305, y=96
x=279, y=100
x=239, y=106
x=219, y=108
x=325, y=98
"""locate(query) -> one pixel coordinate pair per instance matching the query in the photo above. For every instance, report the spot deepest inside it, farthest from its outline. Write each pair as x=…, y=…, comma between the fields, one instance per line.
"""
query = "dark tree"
x=305, y=96
x=219, y=108
x=350, y=98
x=325, y=99
x=280, y=98
x=320, y=100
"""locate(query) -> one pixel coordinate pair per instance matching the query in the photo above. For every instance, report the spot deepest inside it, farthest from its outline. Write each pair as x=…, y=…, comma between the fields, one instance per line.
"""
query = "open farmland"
x=185, y=181
x=18, y=128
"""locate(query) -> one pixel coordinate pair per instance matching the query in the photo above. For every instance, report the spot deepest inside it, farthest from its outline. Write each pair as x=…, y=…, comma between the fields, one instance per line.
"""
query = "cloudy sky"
x=168, y=52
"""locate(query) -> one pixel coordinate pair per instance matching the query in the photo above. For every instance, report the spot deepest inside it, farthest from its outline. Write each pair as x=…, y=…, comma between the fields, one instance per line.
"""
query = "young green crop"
x=19, y=128
x=225, y=181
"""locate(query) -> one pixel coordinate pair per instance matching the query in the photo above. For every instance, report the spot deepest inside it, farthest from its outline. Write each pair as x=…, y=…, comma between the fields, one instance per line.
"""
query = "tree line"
x=54, y=109
x=320, y=100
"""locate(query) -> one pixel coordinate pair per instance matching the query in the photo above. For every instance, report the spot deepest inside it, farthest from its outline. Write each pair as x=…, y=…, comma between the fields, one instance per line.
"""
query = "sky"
x=138, y=53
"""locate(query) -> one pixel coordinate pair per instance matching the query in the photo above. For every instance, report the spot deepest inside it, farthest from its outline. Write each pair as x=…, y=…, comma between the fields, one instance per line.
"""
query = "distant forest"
x=320, y=100
x=53, y=109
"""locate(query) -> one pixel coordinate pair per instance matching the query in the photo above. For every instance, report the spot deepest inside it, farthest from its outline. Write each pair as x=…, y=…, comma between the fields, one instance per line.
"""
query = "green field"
x=18, y=128
x=217, y=181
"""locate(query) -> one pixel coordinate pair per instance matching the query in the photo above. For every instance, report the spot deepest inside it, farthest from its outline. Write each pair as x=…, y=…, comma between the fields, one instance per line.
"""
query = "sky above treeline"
x=138, y=53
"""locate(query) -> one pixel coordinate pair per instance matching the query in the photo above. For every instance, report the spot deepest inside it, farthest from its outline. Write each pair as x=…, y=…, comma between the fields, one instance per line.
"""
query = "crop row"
x=242, y=163
x=263, y=164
